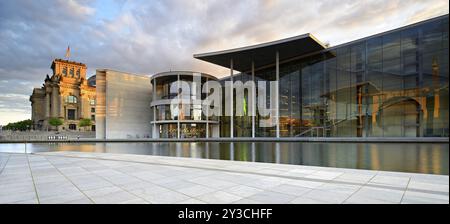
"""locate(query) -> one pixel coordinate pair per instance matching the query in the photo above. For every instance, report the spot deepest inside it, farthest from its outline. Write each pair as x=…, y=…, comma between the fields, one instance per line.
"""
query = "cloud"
x=76, y=8
x=147, y=37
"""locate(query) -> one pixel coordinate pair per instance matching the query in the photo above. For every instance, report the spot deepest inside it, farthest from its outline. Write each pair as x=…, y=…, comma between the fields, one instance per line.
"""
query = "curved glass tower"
x=176, y=113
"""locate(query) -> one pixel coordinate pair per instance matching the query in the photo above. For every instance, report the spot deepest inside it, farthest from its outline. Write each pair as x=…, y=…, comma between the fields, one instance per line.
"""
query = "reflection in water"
x=414, y=157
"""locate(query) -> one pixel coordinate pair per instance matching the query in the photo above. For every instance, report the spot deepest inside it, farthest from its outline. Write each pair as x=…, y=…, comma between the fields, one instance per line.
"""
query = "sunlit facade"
x=393, y=84
x=66, y=95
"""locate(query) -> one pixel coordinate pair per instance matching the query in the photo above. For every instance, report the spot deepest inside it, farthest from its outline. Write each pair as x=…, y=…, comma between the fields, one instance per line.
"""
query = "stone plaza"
x=103, y=178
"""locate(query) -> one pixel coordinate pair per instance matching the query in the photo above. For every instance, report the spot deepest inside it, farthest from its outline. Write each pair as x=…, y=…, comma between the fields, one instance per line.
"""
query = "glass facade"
x=390, y=85
x=177, y=123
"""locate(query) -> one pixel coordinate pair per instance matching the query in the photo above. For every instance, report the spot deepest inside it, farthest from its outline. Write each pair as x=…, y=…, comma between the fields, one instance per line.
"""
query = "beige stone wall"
x=37, y=106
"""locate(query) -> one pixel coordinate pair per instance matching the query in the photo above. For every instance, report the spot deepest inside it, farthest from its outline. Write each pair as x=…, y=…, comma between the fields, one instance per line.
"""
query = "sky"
x=147, y=37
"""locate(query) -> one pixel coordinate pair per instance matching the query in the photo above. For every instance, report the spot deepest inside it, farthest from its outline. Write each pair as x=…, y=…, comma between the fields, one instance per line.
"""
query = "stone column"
x=80, y=106
x=47, y=104
x=55, y=103
x=61, y=107
x=47, y=108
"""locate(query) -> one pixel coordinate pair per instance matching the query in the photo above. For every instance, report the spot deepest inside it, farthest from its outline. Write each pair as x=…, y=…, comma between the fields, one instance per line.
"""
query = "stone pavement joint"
x=3, y=164
x=32, y=178
x=71, y=182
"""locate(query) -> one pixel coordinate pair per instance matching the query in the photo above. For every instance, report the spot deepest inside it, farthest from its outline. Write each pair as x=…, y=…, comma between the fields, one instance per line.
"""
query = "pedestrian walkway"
x=78, y=177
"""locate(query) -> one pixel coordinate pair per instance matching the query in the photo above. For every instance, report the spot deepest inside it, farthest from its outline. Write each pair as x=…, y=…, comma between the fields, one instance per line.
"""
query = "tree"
x=54, y=121
x=19, y=126
x=85, y=123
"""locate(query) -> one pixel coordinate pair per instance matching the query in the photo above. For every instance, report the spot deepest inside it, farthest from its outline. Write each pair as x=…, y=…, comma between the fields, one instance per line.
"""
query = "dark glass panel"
x=331, y=93
x=445, y=33
x=432, y=36
x=285, y=99
x=374, y=54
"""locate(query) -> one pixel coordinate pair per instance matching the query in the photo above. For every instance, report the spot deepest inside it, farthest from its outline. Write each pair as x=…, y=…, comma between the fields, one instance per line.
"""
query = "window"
x=64, y=71
x=78, y=73
x=71, y=72
x=71, y=99
x=93, y=110
x=92, y=102
x=92, y=117
x=71, y=114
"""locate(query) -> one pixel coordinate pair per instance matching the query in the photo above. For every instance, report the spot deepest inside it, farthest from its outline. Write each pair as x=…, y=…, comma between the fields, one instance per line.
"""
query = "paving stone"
x=114, y=198
x=170, y=197
x=177, y=184
x=149, y=190
x=377, y=194
x=412, y=197
x=366, y=200
x=246, y=201
x=243, y=191
x=324, y=175
x=77, y=198
x=420, y=185
x=271, y=197
x=290, y=189
x=339, y=188
x=135, y=201
x=191, y=201
x=88, y=182
x=329, y=197
x=195, y=190
x=82, y=178
x=219, y=197
x=302, y=200
x=395, y=181
x=354, y=178
x=17, y=197
x=305, y=183
x=212, y=182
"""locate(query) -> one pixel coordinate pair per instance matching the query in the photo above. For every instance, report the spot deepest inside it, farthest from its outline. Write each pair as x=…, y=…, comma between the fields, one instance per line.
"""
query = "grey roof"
x=174, y=73
x=263, y=54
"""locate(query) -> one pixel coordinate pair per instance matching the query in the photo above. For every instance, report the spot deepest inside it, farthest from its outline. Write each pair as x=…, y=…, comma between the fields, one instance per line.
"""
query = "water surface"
x=402, y=157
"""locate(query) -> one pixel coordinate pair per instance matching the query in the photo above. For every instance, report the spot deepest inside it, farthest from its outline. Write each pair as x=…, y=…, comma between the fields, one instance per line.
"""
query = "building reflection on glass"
x=389, y=85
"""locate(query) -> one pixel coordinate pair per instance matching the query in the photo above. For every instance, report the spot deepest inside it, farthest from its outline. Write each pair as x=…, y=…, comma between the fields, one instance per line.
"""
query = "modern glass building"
x=393, y=84
x=175, y=122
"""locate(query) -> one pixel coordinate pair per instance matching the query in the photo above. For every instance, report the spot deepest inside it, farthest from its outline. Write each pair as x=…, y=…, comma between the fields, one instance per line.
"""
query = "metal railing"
x=34, y=137
x=317, y=130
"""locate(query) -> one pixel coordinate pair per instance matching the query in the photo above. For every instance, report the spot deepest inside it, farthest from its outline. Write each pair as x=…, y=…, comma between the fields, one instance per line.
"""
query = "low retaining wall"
x=30, y=136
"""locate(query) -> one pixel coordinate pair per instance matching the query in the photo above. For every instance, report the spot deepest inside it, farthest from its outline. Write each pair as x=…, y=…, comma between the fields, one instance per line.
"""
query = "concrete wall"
x=126, y=105
x=100, y=107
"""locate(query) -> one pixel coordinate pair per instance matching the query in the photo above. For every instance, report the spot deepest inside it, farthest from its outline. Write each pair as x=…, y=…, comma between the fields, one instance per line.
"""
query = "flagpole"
x=68, y=53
